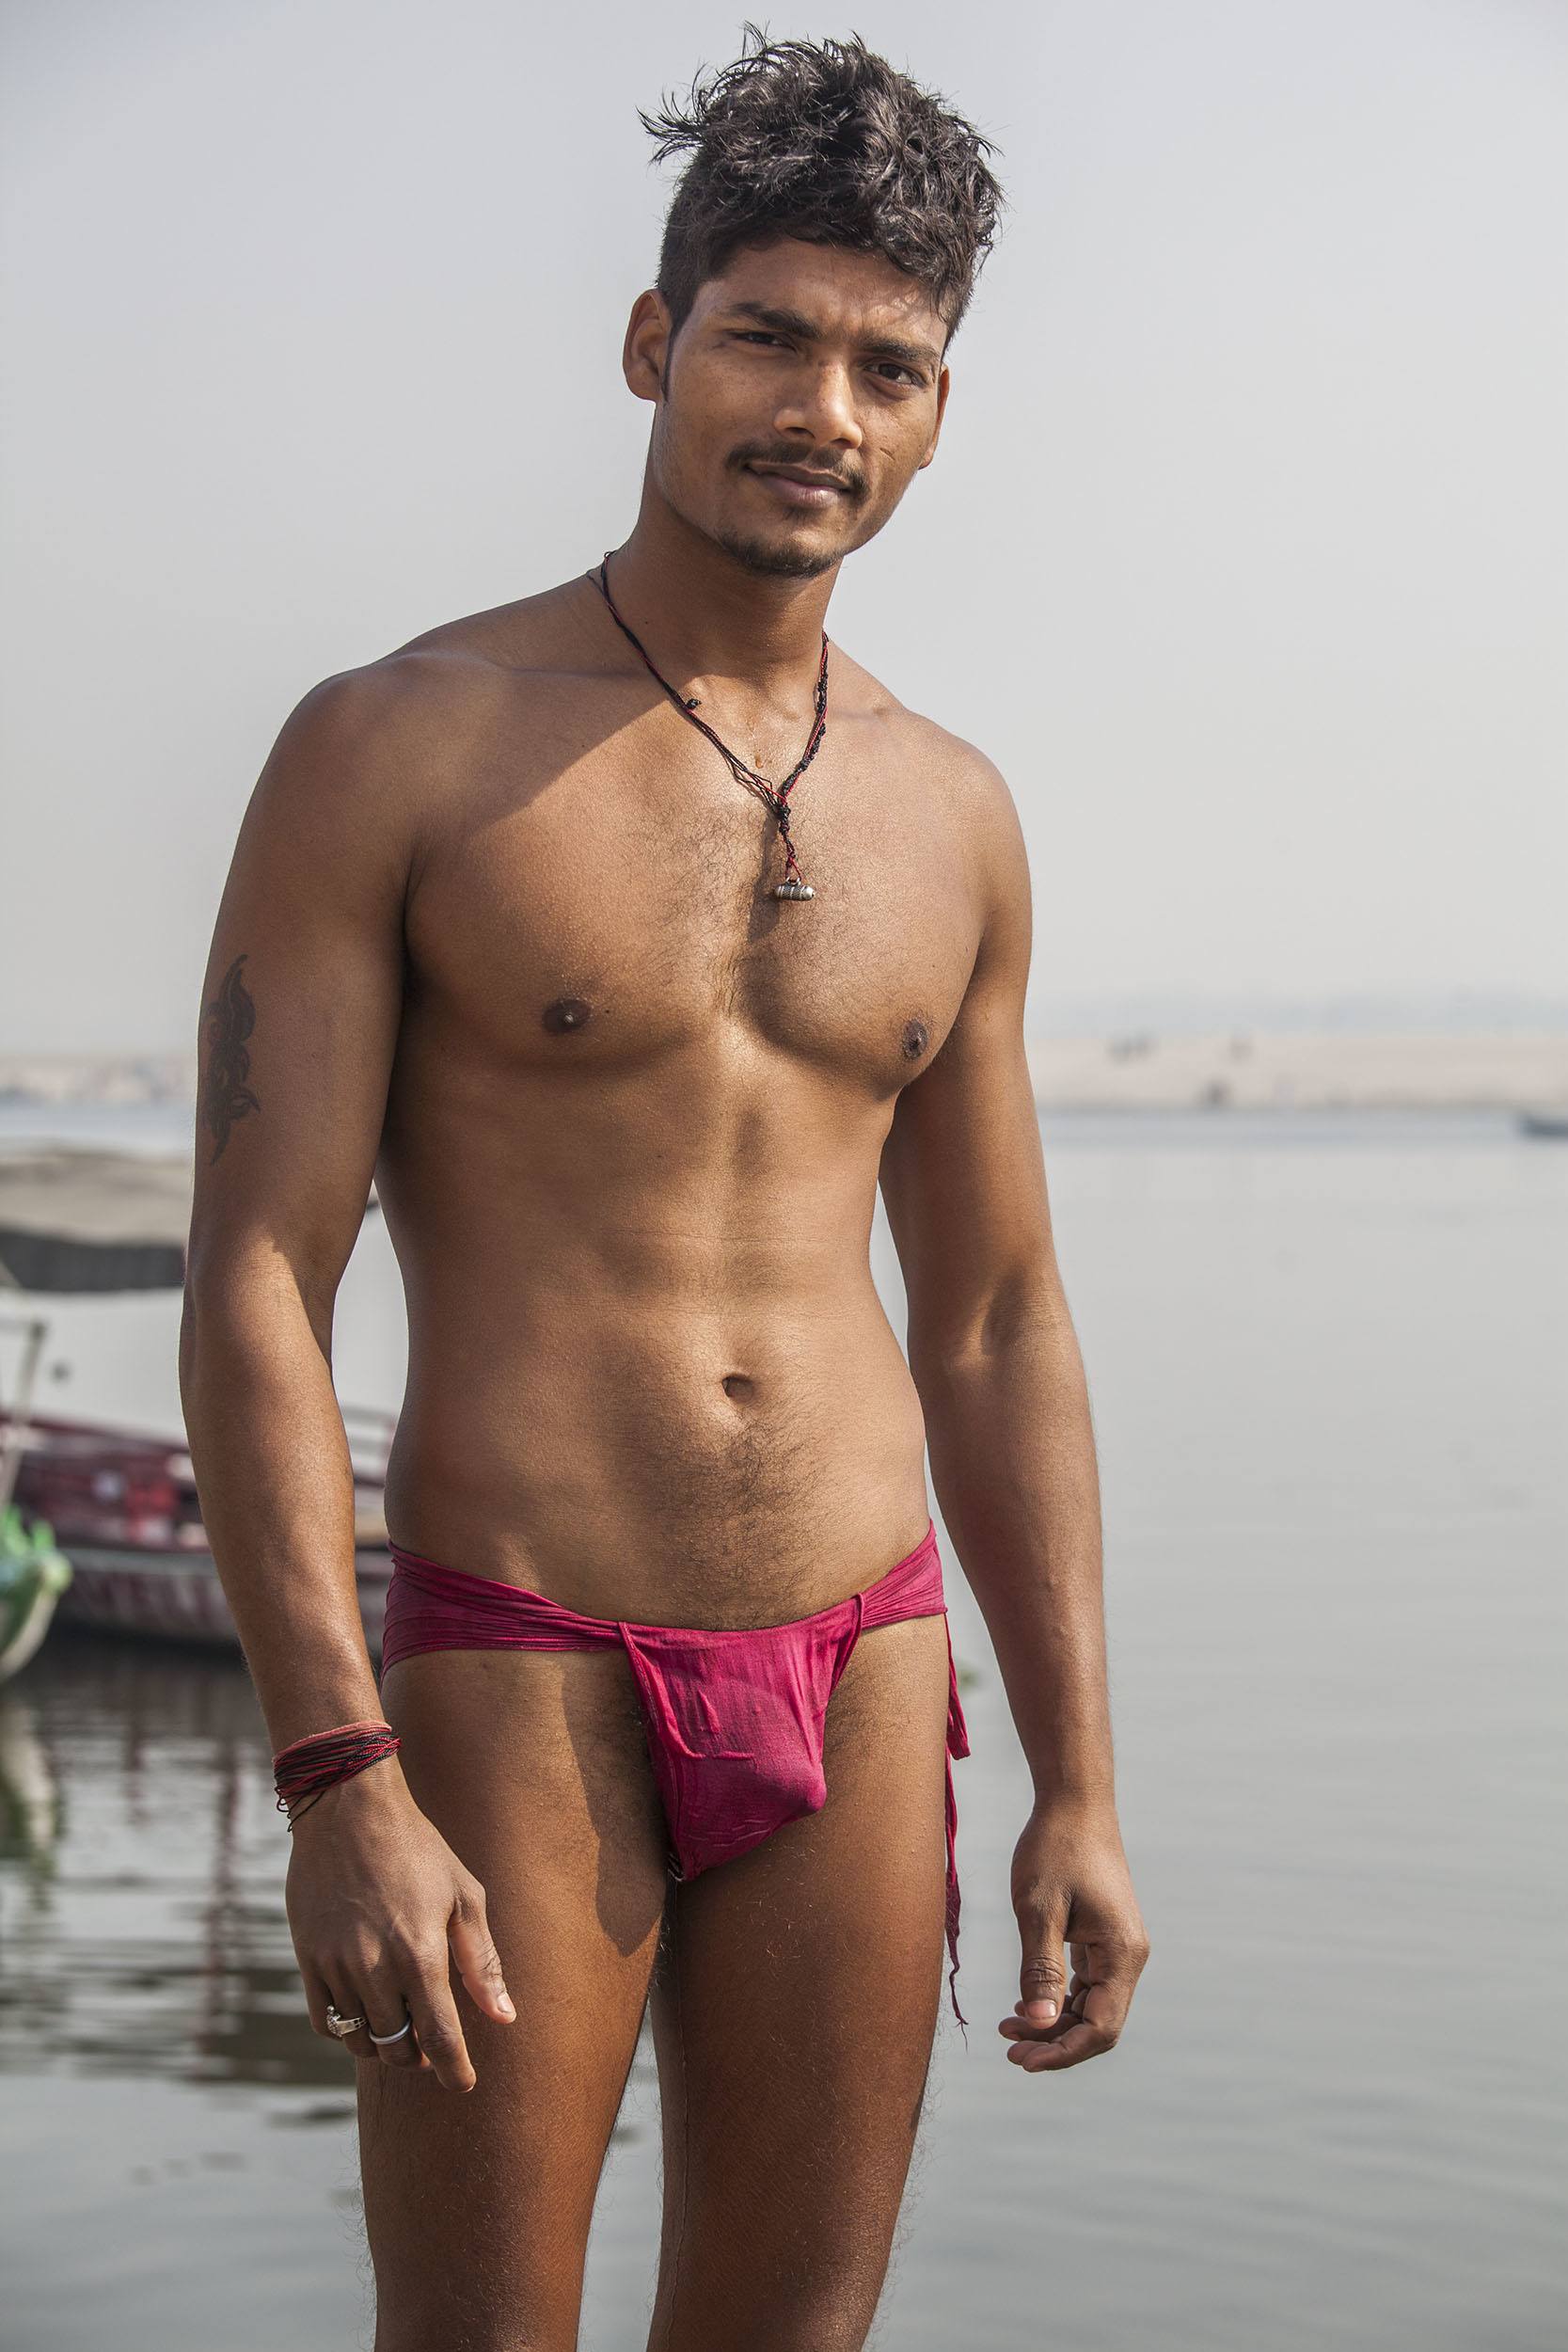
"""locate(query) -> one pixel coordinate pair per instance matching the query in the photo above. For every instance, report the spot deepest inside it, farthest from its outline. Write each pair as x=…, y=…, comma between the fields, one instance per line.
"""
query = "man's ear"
x=936, y=429
x=645, y=355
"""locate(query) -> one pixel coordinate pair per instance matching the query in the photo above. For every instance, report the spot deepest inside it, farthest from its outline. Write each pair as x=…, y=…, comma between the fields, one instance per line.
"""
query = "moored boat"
x=123, y=1509
x=120, y=1504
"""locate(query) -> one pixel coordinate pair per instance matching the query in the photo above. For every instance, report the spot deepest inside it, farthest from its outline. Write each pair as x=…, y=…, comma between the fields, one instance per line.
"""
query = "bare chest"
x=595, y=892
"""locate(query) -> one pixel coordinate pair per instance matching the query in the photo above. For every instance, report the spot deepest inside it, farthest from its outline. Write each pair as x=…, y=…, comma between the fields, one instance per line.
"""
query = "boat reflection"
x=142, y=1861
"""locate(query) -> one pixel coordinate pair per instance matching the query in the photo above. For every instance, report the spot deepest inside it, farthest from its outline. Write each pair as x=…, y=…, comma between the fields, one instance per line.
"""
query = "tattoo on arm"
x=229, y=1019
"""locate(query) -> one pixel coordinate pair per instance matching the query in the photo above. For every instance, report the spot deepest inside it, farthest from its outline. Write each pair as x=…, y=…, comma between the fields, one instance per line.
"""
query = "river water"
x=1328, y=1362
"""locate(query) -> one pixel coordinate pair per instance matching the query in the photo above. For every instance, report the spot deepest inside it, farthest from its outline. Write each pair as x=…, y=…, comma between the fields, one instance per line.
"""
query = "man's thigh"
x=533, y=1766
x=794, y=2005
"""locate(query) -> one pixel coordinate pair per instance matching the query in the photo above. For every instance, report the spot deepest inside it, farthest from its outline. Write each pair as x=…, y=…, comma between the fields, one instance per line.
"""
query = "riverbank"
x=1143, y=1069
x=1262, y=1069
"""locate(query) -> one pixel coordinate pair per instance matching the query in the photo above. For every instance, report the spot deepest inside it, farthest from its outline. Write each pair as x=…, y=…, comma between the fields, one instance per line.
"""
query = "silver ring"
x=406, y=2027
x=340, y=2026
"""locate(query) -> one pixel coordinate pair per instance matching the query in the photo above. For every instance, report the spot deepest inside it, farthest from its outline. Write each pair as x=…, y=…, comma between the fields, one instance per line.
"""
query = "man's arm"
x=300, y=1013
x=996, y=1361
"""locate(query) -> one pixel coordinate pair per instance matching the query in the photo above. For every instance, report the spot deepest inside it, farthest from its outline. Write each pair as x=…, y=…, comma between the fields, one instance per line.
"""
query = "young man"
x=666, y=1650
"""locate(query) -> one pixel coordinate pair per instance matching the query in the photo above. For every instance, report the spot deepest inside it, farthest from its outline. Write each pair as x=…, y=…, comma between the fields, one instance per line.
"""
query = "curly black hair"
x=828, y=143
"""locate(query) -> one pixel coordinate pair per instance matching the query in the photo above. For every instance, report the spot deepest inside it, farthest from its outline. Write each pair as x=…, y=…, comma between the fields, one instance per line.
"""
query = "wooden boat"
x=124, y=1511
x=120, y=1504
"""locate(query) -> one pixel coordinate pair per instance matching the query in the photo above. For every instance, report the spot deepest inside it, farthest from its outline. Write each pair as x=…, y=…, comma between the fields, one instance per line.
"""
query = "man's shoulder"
x=973, y=791
x=456, y=669
x=536, y=636
x=421, y=711
x=873, y=699
x=961, y=767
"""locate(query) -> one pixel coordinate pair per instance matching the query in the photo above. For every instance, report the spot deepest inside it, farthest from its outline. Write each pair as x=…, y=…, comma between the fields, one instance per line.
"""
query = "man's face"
x=798, y=354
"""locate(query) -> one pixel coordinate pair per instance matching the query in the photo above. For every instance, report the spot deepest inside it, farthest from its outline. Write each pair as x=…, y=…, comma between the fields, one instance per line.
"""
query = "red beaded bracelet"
x=308, y=1767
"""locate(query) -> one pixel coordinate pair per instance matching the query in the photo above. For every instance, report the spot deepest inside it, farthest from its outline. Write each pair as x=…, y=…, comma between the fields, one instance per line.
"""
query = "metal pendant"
x=793, y=890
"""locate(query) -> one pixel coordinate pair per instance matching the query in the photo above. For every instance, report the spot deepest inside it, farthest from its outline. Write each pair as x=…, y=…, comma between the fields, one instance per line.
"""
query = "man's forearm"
x=275, y=1480
x=1013, y=1463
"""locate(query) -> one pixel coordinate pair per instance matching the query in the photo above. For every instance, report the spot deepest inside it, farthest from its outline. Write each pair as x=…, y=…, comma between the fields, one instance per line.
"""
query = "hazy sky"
x=1245, y=555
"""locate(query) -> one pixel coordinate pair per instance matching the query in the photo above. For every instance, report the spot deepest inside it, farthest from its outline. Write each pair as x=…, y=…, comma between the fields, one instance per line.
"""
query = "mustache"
x=853, y=484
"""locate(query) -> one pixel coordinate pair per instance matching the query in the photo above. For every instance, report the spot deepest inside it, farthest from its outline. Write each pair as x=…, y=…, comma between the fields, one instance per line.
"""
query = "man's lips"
x=797, y=485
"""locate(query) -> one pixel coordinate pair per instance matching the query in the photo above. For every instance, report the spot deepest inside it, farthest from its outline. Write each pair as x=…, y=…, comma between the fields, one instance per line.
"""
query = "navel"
x=737, y=1384
x=916, y=1038
x=565, y=1014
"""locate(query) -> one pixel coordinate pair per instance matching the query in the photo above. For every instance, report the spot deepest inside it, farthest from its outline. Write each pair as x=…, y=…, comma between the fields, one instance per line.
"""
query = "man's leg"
x=534, y=1768
x=792, y=2010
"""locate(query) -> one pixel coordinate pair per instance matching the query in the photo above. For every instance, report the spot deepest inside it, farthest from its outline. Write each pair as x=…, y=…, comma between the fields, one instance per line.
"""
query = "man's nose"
x=821, y=401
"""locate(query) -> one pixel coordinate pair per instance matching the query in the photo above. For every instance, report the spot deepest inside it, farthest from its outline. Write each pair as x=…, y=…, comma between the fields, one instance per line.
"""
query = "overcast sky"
x=1245, y=555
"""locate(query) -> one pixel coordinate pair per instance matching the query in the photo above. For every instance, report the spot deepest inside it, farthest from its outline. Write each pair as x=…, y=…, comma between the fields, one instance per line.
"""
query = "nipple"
x=567, y=1012
x=916, y=1038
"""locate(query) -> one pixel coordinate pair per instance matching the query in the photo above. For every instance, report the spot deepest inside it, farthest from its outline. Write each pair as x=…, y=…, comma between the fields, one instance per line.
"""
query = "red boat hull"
x=176, y=1596
x=123, y=1508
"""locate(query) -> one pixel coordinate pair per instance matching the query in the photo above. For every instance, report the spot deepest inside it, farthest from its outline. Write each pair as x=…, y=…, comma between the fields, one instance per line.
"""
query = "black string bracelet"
x=307, y=1768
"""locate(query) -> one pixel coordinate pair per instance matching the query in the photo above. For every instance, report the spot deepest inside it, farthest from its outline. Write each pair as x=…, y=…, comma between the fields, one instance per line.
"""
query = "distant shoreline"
x=1134, y=1069
x=1303, y=1070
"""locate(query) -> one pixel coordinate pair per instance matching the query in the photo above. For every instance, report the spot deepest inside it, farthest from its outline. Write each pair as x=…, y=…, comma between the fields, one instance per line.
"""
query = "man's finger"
x=1076, y=2036
x=1042, y=1976
x=349, y=2002
x=479, y=1963
x=1017, y=2027
x=435, y=2021
x=316, y=1996
x=387, y=2011
x=1075, y=1986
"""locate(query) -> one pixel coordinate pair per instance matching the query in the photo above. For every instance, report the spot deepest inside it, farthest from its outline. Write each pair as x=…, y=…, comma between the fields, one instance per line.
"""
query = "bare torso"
x=634, y=1125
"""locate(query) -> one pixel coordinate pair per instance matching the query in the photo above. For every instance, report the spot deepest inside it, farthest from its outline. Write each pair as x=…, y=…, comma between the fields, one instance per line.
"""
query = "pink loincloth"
x=733, y=1716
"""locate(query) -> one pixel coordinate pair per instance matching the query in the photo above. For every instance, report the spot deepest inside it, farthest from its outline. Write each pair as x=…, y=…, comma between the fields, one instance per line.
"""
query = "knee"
x=436, y=2336
x=832, y=2333
x=438, y=2329
x=792, y=2324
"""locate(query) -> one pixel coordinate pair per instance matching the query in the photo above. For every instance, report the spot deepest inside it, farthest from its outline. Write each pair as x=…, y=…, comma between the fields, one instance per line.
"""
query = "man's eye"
x=886, y=368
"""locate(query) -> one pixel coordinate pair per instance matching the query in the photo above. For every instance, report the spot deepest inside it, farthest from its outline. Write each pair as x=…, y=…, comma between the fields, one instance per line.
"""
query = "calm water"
x=1328, y=1363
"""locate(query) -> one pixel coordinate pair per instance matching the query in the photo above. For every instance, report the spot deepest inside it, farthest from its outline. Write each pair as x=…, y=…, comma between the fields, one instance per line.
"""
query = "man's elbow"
x=253, y=1286
x=1018, y=1306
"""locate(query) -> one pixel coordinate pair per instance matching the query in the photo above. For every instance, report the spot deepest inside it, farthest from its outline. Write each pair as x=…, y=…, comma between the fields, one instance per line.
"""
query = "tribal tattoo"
x=230, y=1018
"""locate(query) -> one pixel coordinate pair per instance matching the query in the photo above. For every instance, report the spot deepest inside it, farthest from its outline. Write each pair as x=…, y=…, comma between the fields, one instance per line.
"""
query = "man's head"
x=820, y=249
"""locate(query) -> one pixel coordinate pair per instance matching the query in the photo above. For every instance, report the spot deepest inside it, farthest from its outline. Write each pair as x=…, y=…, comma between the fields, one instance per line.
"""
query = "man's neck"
x=703, y=615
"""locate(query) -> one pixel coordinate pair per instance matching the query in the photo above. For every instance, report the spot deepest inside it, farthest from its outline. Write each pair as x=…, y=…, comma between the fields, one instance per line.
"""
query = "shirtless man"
x=502, y=931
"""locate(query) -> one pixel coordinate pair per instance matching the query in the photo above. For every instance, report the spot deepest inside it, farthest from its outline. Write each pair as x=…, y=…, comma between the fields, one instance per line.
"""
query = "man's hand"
x=375, y=1897
x=1070, y=1885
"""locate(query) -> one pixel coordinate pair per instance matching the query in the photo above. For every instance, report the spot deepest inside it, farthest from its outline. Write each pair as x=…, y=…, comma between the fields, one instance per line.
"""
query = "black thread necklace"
x=794, y=885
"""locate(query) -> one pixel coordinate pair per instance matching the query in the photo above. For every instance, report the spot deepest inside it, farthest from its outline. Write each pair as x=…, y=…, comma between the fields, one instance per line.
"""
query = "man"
x=502, y=930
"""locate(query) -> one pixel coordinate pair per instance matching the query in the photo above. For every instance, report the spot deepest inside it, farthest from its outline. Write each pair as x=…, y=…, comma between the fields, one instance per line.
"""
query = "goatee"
x=783, y=562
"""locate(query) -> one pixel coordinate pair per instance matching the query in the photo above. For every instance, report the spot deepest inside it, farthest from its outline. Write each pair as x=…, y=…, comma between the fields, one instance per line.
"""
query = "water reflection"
x=141, y=1874
x=143, y=1930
